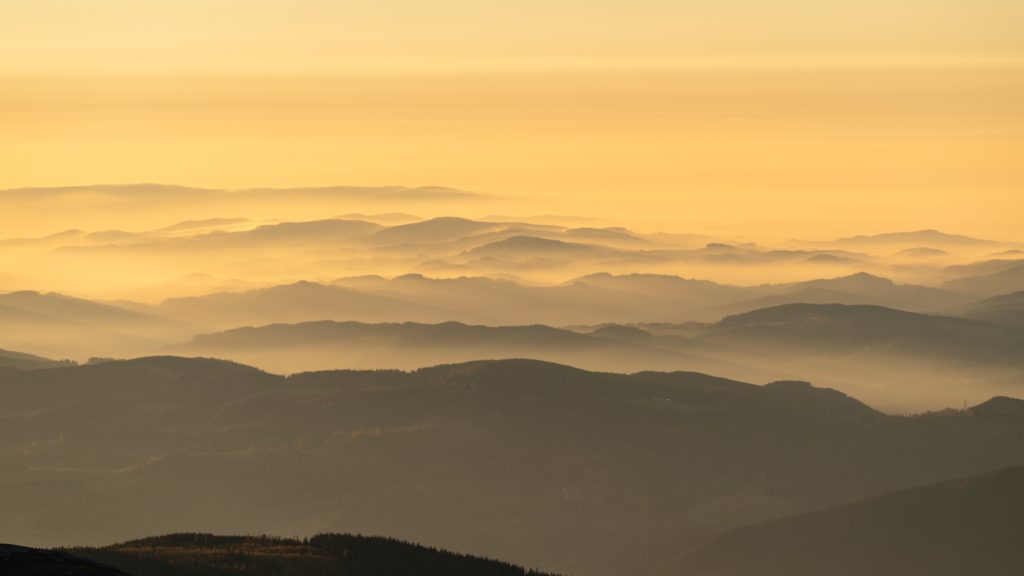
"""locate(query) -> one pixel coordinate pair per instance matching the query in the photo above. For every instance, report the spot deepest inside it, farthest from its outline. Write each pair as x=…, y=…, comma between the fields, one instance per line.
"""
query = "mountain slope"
x=866, y=330
x=410, y=345
x=22, y=561
x=24, y=361
x=1005, y=309
x=575, y=472
x=968, y=526
x=987, y=285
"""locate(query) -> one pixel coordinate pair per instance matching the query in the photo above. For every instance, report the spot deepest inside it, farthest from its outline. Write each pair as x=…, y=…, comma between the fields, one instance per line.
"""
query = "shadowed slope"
x=519, y=459
x=22, y=561
x=969, y=526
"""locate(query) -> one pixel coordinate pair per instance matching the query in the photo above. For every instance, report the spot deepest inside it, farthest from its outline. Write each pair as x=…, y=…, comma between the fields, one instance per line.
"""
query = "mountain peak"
x=1000, y=406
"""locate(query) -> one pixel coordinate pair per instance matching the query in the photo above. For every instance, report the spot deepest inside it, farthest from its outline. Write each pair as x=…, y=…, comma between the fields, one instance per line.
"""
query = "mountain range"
x=571, y=471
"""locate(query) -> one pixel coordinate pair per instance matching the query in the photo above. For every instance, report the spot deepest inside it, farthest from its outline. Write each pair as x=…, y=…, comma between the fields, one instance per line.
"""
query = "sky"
x=794, y=117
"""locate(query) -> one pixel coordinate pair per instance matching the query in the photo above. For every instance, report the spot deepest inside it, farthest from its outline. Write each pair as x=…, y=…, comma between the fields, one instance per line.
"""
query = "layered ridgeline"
x=193, y=554
x=953, y=528
x=237, y=250
x=566, y=470
x=59, y=325
x=863, y=350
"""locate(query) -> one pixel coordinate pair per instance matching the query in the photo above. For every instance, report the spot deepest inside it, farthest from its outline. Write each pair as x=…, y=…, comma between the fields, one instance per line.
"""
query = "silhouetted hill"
x=926, y=238
x=1006, y=309
x=838, y=328
x=24, y=361
x=279, y=236
x=1000, y=406
x=298, y=302
x=65, y=309
x=322, y=555
x=22, y=561
x=921, y=252
x=954, y=528
x=860, y=288
x=531, y=246
x=409, y=345
x=60, y=325
x=405, y=334
x=433, y=230
x=572, y=471
x=987, y=285
x=379, y=193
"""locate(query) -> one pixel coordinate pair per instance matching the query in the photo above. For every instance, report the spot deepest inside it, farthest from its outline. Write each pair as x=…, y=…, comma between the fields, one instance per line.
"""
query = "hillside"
x=409, y=345
x=988, y=285
x=865, y=330
x=321, y=555
x=1005, y=309
x=22, y=561
x=954, y=528
x=574, y=472
x=24, y=361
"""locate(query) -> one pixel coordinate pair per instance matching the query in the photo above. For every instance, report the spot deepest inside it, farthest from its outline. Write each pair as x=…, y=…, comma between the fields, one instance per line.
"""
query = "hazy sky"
x=811, y=116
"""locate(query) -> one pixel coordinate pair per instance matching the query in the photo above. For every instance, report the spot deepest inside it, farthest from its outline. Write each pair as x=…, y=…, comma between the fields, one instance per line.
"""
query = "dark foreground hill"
x=322, y=555
x=22, y=561
x=955, y=528
x=574, y=472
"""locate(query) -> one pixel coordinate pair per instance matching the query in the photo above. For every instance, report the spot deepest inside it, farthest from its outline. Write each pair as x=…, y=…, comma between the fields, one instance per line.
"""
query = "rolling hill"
x=953, y=528
x=571, y=471
x=322, y=555
x=1005, y=309
x=409, y=345
x=22, y=361
x=22, y=561
x=864, y=330
x=988, y=285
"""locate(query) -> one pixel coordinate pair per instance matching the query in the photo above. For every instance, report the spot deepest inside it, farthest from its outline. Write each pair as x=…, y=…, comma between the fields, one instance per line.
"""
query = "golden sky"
x=789, y=117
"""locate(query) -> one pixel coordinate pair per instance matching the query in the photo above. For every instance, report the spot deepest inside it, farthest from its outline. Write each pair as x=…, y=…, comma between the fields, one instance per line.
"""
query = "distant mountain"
x=921, y=252
x=987, y=285
x=24, y=361
x=64, y=326
x=1006, y=309
x=308, y=233
x=380, y=193
x=982, y=267
x=859, y=288
x=22, y=561
x=865, y=330
x=587, y=300
x=433, y=230
x=298, y=302
x=131, y=192
x=205, y=224
x=62, y=308
x=321, y=555
x=533, y=247
x=388, y=219
x=585, y=473
x=954, y=528
x=409, y=345
x=919, y=238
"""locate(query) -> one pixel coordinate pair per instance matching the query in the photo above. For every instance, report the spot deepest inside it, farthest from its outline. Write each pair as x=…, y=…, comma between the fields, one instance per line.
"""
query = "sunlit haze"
x=602, y=288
